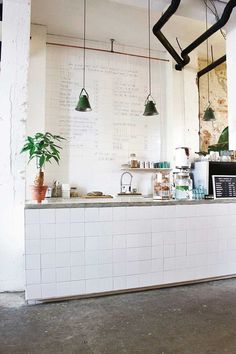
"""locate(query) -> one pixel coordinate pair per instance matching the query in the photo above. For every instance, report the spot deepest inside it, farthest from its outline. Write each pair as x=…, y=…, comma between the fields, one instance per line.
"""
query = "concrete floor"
x=194, y=319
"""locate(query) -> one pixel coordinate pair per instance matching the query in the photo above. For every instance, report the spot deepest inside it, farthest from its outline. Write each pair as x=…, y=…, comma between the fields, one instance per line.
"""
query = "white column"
x=36, y=92
x=231, y=81
x=13, y=114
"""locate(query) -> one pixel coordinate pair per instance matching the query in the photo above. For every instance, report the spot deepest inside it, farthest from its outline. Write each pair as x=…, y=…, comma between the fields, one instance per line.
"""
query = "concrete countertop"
x=55, y=203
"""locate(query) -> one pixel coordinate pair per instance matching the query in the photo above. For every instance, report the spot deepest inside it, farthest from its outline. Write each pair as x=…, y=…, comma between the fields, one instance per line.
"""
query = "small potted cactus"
x=43, y=147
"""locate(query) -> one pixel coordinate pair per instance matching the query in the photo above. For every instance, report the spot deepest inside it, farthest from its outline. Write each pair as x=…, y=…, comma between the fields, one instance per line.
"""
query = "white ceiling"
x=126, y=21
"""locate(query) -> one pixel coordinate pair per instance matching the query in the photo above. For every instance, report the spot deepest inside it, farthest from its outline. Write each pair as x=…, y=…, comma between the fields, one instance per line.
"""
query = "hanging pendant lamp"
x=209, y=112
x=150, y=104
x=83, y=104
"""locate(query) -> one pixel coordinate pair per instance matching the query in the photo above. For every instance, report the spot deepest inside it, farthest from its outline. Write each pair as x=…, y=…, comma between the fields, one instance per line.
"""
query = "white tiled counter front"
x=77, y=251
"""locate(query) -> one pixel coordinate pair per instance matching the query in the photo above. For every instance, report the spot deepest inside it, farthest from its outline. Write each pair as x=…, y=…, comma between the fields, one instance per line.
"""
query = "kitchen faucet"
x=123, y=186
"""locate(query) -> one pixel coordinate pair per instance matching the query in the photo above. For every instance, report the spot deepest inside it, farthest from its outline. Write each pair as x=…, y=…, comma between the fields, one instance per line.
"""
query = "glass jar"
x=183, y=186
x=133, y=161
x=161, y=186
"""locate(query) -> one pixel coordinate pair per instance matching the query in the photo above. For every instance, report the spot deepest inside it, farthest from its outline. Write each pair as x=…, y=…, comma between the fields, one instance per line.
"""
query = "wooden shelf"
x=147, y=169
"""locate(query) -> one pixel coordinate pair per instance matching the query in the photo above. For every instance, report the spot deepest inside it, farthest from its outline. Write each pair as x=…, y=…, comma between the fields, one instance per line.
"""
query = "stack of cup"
x=65, y=190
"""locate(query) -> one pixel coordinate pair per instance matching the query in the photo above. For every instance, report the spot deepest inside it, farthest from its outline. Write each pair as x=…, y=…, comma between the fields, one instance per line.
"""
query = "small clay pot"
x=38, y=193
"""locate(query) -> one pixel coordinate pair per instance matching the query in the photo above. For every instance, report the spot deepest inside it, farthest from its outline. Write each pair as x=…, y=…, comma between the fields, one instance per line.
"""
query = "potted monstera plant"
x=43, y=147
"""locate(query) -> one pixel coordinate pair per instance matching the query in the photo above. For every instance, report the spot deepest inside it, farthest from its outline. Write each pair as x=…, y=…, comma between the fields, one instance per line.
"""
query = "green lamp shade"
x=83, y=104
x=209, y=114
x=150, y=108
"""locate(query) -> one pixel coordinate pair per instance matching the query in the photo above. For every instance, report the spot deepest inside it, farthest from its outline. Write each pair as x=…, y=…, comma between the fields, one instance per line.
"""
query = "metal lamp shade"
x=83, y=104
x=150, y=108
x=209, y=114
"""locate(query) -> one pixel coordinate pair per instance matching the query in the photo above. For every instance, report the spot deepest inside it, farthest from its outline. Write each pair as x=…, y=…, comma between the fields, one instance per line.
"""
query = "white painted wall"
x=13, y=113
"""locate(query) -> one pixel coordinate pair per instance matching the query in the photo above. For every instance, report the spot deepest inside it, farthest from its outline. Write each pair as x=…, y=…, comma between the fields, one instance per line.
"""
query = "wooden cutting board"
x=97, y=196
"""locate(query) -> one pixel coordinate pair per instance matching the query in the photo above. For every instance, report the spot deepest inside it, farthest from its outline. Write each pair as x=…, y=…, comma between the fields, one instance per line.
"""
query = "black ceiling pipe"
x=211, y=66
x=218, y=25
x=158, y=26
x=0, y=11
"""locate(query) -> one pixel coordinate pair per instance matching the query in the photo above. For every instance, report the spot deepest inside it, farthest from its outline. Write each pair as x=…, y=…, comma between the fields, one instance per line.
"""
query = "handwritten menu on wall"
x=98, y=142
x=224, y=186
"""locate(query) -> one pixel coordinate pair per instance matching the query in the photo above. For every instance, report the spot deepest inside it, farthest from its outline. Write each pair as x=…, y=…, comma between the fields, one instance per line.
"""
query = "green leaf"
x=41, y=161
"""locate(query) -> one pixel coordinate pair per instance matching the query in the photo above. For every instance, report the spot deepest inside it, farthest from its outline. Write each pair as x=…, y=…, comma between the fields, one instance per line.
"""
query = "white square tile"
x=91, y=214
x=119, y=227
x=78, y=287
x=32, y=261
x=48, y=245
x=32, y=231
x=92, y=229
x=181, y=262
x=77, y=215
x=49, y=290
x=92, y=257
x=32, y=216
x=64, y=289
x=169, y=237
x=145, y=212
x=32, y=246
x=104, y=242
x=180, y=249
x=157, y=238
x=133, y=213
x=133, y=281
x=77, y=244
x=91, y=243
x=47, y=230
x=92, y=272
x=119, y=283
x=77, y=273
x=132, y=268
x=106, y=284
x=163, y=211
x=47, y=216
x=62, y=215
x=93, y=286
x=48, y=260
x=77, y=230
x=139, y=226
x=106, y=228
x=119, y=269
x=62, y=274
x=105, y=256
x=63, y=230
x=77, y=258
x=48, y=275
x=169, y=263
x=169, y=251
x=157, y=251
x=32, y=276
x=63, y=245
x=119, y=255
x=33, y=292
x=184, y=211
x=119, y=213
x=157, y=278
x=181, y=236
x=212, y=246
x=145, y=279
x=145, y=266
x=139, y=240
x=105, y=270
x=157, y=265
x=105, y=214
x=119, y=241
x=63, y=259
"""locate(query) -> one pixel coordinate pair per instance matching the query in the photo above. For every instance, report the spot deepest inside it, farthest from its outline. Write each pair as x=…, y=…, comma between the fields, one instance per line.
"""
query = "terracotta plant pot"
x=38, y=193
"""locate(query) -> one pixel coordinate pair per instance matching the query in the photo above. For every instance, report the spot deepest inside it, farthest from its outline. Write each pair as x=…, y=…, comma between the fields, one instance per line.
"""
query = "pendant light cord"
x=207, y=46
x=84, y=42
x=149, y=47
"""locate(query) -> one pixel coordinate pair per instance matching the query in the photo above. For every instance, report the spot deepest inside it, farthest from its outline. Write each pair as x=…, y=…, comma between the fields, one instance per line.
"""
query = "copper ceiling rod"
x=105, y=51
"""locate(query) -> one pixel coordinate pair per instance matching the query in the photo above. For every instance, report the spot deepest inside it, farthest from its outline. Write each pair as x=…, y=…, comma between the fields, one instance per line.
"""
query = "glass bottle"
x=183, y=186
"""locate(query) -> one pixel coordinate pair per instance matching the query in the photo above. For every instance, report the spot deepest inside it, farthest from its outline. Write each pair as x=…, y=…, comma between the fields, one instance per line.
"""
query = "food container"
x=161, y=186
x=183, y=186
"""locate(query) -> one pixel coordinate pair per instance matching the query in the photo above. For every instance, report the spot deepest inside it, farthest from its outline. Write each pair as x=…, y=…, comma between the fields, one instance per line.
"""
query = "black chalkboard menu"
x=224, y=186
